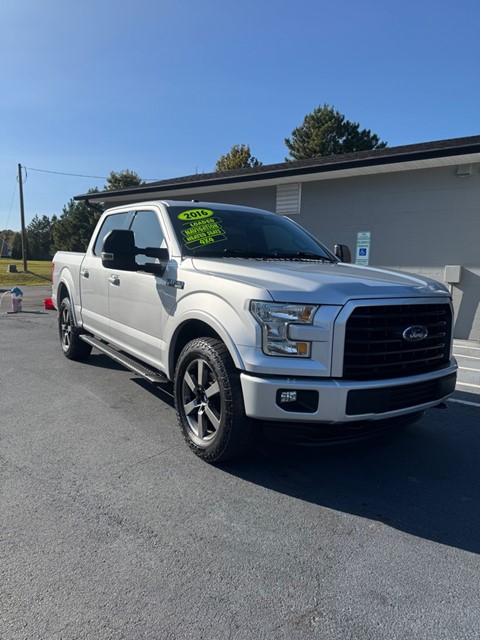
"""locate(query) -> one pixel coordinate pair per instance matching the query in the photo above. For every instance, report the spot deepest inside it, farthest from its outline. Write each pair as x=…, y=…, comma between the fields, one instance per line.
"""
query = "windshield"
x=222, y=232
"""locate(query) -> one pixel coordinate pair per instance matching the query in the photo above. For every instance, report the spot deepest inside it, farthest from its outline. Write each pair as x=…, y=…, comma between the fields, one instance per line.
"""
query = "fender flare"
x=211, y=321
x=66, y=280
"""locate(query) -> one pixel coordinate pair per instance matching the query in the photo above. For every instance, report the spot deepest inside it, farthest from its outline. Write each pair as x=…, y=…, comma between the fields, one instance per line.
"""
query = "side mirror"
x=343, y=253
x=118, y=250
x=154, y=252
x=153, y=267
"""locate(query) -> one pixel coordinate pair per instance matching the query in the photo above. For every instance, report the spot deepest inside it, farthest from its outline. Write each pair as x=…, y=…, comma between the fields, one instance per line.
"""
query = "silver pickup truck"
x=255, y=323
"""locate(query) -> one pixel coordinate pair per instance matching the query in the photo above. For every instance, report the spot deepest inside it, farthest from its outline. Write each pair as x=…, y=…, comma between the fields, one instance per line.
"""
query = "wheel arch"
x=66, y=289
x=193, y=328
x=62, y=292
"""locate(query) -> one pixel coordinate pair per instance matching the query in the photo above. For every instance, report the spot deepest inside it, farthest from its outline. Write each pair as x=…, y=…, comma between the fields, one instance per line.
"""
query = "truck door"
x=94, y=284
x=135, y=298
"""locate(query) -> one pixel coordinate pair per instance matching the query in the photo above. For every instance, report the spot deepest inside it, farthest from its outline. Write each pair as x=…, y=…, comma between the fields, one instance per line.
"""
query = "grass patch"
x=39, y=272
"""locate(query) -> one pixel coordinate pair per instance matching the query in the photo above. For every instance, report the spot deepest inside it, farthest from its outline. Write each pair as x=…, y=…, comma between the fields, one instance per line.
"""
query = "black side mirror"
x=154, y=252
x=343, y=253
x=157, y=268
x=118, y=250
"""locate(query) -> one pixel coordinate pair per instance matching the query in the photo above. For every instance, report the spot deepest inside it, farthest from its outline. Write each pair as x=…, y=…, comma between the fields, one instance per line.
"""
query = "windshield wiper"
x=229, y=253
x=259, y=255
x=243, y=253
x=302, y=255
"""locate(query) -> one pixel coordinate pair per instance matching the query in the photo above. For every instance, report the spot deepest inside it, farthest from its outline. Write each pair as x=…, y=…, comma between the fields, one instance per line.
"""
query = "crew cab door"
x=94, y=284
x=136, y=309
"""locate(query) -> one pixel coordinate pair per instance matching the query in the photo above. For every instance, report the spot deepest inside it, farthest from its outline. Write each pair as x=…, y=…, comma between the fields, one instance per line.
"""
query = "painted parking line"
x=460, y=346
x=468, y=384
x=470, y=404
x=460, y=355
x=469, y=369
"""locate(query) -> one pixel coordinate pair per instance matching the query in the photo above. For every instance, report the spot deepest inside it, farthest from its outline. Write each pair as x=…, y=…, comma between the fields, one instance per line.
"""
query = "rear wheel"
x=73, y=347
x=209, y=402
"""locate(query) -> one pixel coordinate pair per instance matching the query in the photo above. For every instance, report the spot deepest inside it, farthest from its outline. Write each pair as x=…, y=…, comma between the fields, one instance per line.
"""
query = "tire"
x=209, y=402
x=73, y=347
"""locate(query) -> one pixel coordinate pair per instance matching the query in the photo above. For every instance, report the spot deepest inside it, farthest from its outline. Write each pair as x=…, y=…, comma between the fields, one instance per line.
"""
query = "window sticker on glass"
x=195, y=214
x=201, y=229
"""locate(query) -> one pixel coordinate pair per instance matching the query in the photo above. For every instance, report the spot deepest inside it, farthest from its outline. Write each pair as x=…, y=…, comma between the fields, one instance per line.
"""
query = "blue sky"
x=165, y=88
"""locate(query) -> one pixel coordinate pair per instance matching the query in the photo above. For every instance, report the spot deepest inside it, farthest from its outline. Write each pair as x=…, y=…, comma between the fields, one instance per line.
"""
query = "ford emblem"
x=415, y=333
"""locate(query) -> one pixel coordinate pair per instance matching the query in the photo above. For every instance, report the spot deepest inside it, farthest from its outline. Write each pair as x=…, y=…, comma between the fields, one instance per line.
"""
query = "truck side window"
x=114, y=221
x=148, y=233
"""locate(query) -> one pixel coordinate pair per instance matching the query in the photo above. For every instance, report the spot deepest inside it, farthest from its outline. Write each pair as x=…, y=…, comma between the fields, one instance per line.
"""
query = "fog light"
x=298, y=401
x=288, y=396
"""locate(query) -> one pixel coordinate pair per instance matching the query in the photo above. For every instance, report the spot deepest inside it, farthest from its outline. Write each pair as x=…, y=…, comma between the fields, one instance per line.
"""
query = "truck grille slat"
x=375, y=347
x=365, y=354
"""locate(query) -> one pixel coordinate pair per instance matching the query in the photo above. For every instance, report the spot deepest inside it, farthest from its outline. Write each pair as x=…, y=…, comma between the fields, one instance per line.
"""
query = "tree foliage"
x=239, y=157
x=122, y=180
x=73, y=229
x=326, y=132
x=17, y=246
x=39, y=237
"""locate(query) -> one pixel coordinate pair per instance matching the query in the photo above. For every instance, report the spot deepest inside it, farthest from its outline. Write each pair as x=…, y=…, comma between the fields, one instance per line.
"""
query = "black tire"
x=209, y=402
x=72, y=346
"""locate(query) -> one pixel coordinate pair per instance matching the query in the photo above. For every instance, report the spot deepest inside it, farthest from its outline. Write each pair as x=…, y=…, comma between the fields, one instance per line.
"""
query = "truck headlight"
x=275, y=319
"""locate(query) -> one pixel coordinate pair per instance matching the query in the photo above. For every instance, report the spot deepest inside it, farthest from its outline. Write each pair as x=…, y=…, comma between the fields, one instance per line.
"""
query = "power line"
x=3, y=239
x=62, y=173
x=79, y=175
x=11, y=203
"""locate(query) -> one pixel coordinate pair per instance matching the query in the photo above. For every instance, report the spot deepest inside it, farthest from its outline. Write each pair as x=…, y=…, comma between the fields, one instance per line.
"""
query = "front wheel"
x=209, y=402
x=73, y=347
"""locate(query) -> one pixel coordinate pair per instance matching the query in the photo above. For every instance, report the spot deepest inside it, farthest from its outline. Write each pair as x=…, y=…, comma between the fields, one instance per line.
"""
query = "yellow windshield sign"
x=201, y=232
x=195, y=214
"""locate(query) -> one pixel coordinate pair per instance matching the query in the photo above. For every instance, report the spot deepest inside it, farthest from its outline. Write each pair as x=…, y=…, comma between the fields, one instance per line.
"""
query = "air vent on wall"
x=289, y=198
x=464, y=170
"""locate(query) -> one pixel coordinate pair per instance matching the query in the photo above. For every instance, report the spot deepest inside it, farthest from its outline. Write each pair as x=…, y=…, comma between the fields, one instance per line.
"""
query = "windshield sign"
x=222, y=232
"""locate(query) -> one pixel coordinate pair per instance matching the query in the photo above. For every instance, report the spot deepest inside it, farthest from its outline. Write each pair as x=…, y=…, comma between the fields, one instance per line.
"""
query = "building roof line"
x=324, y=164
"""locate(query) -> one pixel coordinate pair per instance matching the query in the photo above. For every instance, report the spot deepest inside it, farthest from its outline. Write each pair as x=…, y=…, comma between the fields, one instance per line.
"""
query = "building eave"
x=406, y=158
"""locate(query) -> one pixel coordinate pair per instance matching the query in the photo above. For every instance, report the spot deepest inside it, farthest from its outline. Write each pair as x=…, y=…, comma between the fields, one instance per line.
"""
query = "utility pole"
x=22, y=219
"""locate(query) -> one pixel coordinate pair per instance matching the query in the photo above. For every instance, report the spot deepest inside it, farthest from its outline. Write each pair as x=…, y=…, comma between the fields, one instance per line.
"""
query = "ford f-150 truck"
x=254, y=322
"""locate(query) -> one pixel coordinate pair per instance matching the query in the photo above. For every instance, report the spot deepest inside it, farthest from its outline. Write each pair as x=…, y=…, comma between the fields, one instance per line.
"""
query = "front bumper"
x=331, y=401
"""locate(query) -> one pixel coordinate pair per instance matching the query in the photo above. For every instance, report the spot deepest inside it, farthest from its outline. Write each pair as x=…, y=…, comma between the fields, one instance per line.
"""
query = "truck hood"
x=314, y=282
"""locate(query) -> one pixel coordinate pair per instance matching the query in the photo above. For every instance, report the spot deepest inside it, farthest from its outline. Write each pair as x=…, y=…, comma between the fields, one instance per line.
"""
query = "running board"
x=130, y=363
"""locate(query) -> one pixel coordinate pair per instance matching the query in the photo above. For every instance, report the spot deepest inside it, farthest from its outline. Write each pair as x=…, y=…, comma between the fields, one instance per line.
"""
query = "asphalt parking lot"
x=111, y=528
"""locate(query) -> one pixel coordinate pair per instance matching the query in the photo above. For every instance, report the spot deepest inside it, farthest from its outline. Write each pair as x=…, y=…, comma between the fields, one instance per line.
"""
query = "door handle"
x=114, y=279
x=85, y=273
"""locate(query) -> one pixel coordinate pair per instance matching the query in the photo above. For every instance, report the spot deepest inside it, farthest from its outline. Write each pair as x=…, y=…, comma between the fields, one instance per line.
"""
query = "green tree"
x=239, y=157
x=73, y=229
x=39, y=238
x=122, y=180
x=326, y=132
x=17, y=246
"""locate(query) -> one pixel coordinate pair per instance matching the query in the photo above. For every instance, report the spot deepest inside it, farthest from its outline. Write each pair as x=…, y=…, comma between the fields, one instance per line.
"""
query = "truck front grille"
x=375, y=347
